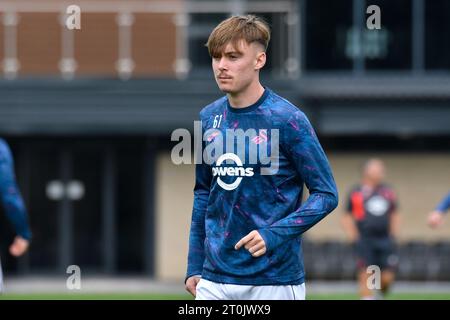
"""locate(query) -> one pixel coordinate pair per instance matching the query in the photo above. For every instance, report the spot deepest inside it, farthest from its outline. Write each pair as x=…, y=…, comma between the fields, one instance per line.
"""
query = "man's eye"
x=233, y=57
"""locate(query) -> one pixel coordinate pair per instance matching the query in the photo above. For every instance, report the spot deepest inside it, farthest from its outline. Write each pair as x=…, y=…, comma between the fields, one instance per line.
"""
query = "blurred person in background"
x=436, y=217
x=371, y=223
x=13, y=205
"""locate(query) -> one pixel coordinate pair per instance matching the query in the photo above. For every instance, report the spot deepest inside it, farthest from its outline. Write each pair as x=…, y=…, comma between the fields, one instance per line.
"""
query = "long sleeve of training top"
x=10, y=195
x=306, y=154
x=196, y=255
x=444, y=205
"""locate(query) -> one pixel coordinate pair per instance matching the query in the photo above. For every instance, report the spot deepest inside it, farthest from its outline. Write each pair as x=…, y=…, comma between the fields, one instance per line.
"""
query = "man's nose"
x=222, y=64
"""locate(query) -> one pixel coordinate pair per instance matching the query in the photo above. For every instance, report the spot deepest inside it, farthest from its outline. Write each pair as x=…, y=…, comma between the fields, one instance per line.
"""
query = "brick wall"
x=96, y=46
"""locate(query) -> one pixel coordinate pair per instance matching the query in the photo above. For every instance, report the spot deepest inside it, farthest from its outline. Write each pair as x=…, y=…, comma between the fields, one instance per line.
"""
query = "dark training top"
x=371, y=209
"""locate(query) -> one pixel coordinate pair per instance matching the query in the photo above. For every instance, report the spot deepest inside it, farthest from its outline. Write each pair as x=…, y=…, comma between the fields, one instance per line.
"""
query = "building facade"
x=89, y=115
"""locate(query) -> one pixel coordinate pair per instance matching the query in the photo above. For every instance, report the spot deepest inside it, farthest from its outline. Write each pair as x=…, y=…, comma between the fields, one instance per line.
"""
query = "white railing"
x=125, y=9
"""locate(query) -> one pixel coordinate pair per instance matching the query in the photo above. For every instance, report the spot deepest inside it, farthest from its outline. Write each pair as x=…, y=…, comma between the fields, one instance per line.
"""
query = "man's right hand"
x=191, y=284
x=435, y=219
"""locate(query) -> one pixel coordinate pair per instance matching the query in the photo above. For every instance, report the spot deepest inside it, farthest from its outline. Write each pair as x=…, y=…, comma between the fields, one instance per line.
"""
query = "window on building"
x=327, y=27
x=200, y=26
x=336, y=35
x=437, y=31
x=389, y=48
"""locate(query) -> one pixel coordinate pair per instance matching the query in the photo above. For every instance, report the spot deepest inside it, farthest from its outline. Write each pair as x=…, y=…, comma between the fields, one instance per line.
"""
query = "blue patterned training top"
x=234, y=194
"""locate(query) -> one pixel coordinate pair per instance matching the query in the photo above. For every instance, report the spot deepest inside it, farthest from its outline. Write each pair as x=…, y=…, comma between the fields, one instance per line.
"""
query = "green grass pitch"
x=149, y=296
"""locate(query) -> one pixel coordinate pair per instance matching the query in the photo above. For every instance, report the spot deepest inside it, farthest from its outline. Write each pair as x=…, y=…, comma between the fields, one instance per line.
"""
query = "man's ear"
x=260, y=60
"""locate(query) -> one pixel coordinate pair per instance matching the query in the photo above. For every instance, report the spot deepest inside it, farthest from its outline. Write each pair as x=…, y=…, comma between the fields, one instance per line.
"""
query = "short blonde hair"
x=249, y=28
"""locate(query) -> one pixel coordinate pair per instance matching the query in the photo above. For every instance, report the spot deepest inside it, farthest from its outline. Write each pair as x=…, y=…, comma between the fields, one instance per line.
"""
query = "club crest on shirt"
x=377, y=206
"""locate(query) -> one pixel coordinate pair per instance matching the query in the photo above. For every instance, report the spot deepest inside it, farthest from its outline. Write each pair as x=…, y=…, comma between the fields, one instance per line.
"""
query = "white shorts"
x=208, y=290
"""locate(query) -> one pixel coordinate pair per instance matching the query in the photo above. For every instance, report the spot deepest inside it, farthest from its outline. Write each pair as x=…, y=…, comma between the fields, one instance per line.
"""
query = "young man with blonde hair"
x=248, y=218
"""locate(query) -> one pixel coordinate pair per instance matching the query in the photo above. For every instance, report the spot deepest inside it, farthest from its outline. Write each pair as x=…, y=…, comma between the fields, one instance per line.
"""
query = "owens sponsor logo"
x=238, y=171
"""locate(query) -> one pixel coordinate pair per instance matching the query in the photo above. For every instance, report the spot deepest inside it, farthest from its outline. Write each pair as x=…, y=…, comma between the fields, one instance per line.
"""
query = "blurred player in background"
x=436, y=217
x=371, y=223
x=13, y=204
x=245, y=233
